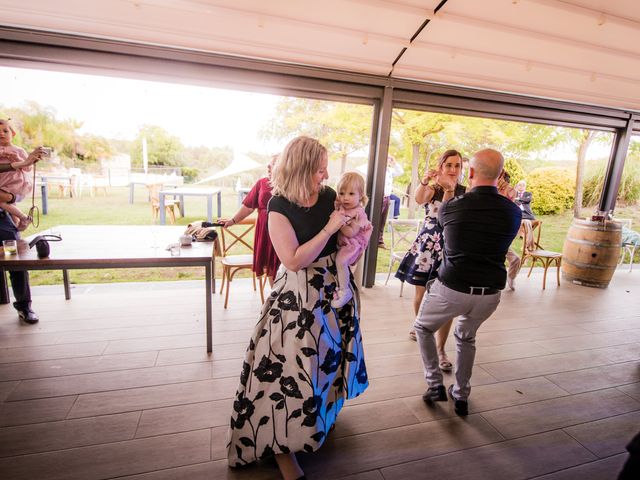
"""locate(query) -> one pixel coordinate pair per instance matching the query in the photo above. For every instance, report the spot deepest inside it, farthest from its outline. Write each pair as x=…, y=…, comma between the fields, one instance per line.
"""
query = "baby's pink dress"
x=18, y=182
x=350, y=248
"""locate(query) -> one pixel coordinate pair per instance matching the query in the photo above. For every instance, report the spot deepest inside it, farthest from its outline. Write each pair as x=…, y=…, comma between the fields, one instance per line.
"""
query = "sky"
x=117, y=108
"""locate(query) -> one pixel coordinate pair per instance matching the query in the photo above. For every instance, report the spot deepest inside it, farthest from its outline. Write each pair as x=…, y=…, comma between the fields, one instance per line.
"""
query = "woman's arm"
x=6, y=197
x=240, y=215
x=293, y=255
x=425, y=191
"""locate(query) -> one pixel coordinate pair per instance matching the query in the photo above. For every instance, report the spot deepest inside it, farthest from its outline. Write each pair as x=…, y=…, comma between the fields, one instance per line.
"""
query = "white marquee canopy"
x=576, y=50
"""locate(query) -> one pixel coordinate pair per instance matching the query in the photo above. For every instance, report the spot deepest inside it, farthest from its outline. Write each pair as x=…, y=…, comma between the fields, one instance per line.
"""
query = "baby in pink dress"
x=18, y=182
x=353, y=237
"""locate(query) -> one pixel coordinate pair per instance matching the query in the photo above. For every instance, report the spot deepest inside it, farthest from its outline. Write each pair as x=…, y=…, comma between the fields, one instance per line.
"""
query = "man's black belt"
x=472, y=290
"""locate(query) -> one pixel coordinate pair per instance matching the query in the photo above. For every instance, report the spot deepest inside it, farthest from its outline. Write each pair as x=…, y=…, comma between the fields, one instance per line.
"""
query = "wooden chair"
x=403, y=234
x=169, y=205
x=238, y=235
x=531, y=249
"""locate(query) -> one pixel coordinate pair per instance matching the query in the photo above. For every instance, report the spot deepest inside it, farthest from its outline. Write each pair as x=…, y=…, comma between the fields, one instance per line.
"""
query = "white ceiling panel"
x=576, y=50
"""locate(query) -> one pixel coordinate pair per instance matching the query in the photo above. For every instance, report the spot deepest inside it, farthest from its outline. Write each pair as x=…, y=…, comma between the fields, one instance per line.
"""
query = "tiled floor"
x=116, y=383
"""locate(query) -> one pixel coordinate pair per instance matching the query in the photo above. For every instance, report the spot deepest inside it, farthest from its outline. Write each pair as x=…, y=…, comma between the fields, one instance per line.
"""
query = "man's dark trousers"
x=19, y=280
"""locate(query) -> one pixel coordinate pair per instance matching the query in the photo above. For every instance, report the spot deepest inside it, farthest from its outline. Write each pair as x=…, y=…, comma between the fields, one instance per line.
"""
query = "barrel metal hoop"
x=590, y=266
x=593, y=228
x=588, y=242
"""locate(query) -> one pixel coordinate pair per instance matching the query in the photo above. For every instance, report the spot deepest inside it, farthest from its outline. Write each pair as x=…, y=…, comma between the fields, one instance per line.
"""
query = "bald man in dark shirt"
x=479, y=227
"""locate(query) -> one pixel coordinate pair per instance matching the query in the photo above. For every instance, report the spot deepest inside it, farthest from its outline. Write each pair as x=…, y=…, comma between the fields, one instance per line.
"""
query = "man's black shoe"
x=461, y=407
x=28, y=316
x=435, y=394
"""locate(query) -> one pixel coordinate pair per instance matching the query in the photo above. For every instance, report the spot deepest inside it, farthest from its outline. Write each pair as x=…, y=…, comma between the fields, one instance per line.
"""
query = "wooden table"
x=43, y=183
x=195, y=192
x=132, y=188
x=62, y=180
x=112, y=246
x=146, y=183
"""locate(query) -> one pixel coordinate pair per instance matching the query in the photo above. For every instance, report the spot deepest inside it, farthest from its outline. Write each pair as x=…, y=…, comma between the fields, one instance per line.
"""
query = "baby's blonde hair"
x=292, y=174
x=353, y=179
x=5, y=121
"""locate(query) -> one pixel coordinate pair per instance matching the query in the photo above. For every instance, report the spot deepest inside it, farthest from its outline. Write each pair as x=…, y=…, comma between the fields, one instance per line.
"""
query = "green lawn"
x=114, y=208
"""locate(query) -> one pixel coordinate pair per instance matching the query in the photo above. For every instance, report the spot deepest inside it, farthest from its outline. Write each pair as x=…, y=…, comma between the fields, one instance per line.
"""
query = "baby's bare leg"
x=343, y=271
x=343, y=293
x=13, y=210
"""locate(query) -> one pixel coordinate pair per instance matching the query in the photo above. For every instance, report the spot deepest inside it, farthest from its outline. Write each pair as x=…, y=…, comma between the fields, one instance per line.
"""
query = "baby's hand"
x=337, y=220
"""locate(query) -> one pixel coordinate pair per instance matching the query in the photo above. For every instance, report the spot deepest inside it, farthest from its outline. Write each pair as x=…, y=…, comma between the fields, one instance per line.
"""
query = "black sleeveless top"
x=308, y=221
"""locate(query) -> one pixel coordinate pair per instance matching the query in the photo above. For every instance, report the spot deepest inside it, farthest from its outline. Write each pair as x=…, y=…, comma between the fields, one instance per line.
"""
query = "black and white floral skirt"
x=304, y=359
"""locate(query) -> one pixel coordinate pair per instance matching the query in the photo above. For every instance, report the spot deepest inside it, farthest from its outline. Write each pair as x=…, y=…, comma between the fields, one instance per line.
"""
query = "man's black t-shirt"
x=479, y=227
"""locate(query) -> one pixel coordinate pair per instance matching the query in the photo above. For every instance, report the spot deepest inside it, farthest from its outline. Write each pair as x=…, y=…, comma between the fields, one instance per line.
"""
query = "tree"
x=163, y=149
x=92, y=148
x=36, y=125
x=344, y=128
x=419, y=134
x=205, y=160
x=582, y=139
x=426, y=135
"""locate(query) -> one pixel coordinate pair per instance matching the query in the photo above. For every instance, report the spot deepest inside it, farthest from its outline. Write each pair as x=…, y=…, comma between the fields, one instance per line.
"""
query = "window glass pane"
x=557, y=164
x=115, y=139
x=627, y=209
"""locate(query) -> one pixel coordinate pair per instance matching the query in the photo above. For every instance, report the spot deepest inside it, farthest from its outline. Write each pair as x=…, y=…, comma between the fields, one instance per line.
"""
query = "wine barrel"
x=591, y=252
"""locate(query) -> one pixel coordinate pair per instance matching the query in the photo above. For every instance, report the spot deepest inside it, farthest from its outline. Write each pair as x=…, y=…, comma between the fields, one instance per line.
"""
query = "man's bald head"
x=486, y=165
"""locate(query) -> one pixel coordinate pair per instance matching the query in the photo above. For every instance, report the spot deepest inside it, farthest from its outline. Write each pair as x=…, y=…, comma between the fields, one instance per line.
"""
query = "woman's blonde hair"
x=353, y=179
x=292, y=174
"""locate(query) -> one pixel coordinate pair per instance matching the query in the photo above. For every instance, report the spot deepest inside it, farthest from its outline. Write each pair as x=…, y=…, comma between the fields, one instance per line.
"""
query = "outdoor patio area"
x=116, y=383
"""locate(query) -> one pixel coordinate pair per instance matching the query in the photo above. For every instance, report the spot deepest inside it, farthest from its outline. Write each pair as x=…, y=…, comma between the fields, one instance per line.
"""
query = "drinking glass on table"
x=10, y=247
x=174, y=248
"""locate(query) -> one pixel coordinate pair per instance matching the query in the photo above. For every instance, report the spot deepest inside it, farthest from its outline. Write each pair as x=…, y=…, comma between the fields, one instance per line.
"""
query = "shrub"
x=629, y=191
x=553, y=190
x=190, y=174
x=516, y=172
x=592, y=185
